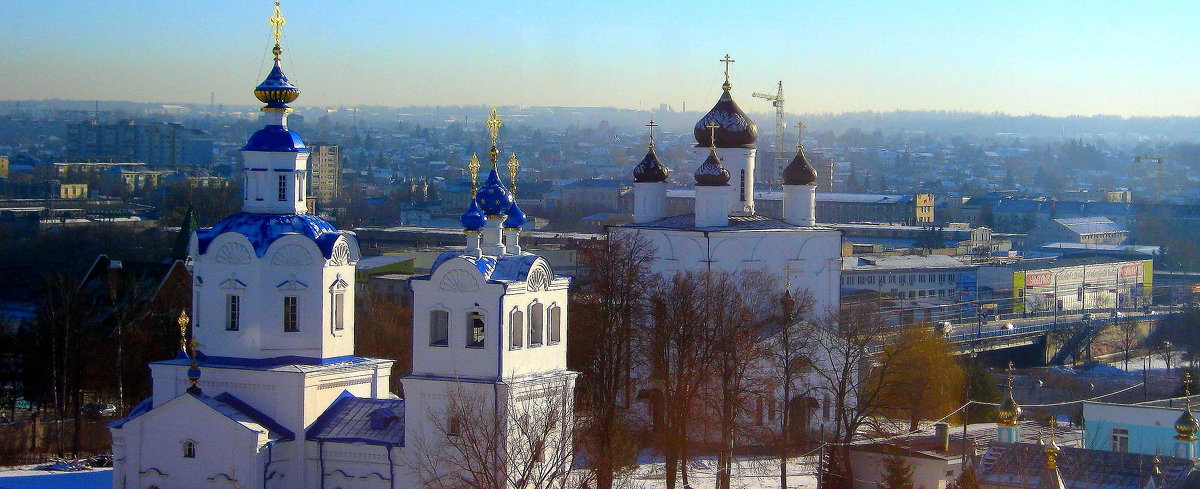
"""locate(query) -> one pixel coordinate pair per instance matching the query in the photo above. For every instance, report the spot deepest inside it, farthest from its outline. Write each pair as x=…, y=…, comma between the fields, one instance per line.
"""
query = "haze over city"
x=1054, y=58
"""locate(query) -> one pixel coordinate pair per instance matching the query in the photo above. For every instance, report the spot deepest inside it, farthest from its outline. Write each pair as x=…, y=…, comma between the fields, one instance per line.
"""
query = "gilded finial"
x=493, y=123
x=513, y=164
x=800, y=136
x=1009, y=374
x=1052, y=447
x=1009, y=412
x=727, y=60
x=652, y=125
x=473, y=169
x=184, y=321
x=712, y=135
x=277, y=21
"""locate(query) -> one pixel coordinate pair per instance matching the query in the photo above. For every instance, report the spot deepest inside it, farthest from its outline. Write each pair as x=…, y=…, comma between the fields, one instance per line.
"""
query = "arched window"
x=189, y=449
x=555, y=324
x=516, y=328
x=475, y=330
x=536, y=319
x=439, y=328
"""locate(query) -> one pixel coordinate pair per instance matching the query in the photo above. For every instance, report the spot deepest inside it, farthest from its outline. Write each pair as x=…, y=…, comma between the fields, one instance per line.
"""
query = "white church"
x=724, y=233
x=271, y=394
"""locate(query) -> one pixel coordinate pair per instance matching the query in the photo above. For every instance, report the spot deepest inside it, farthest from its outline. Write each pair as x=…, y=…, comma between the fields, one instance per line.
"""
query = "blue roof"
x=264, y=229
x=508, y=268
x=227, y=405
x=262, y=363
x=275, y=138
x=360, y=420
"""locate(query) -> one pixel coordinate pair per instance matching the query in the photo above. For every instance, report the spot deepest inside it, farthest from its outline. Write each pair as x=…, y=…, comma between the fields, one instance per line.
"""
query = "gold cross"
x=1009, y=371
x=800, y=141
x=727, y=60
x=493, y=123
x=513, y=164
x=277, y=21
x=652, y=125
x=787, y=277
x=712, y=135
x=473, y=168
x=184, y=320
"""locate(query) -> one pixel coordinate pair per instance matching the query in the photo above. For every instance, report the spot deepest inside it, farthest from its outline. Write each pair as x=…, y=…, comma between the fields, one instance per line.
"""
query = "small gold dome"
x=1186, y=426
x=1008, y=412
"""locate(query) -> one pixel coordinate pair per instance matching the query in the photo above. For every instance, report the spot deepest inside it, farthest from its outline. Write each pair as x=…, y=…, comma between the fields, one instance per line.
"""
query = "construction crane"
x=1159, y=175
x=777, y=102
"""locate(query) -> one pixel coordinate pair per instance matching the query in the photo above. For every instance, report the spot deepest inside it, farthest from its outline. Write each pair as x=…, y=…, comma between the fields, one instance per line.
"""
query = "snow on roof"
x=875, y=263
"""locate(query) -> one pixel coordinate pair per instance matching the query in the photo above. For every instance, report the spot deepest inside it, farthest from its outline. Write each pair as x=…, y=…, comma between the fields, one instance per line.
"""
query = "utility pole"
x=777, y=102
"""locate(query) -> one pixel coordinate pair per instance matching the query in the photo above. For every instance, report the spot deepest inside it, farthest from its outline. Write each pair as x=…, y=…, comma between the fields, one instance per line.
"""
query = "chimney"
x=942, y=431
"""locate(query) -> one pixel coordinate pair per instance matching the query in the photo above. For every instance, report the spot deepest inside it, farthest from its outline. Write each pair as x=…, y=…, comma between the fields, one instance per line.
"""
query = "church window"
x=290, y=318
x=536, y=325
x=825, y=408
x=339, y=311
x=439, y=328
x=770, y=412
x=758, y=411
x=515, y=330
x=189, y=449
x=742, y=182
x=454, y=427
x=233, y=312
x=475, y=330
x=555, y=324
x=282, y=188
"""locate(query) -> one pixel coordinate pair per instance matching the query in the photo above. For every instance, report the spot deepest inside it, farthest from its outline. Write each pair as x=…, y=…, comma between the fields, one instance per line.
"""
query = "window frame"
x=233, y=312
x=291, y=314
x=555, y=313
x=537, y=324
x=338, y=311
x=189, y=449
x=445, y=333
x=283, y=186
x=472, y=343
x=516, y=329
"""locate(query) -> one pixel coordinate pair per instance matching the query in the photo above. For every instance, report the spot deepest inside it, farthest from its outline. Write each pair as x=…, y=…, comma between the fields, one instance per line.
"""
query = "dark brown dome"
x=711, y=173
x=650, y=170
x=734, y=127
x=799, y=172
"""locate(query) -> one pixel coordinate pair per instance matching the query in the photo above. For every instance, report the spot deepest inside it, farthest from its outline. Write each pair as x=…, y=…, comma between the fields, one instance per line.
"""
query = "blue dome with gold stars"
x=493, y=198
x=473, y=219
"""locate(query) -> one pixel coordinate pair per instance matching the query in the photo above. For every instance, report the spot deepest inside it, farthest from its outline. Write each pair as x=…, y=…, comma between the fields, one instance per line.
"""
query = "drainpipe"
x=321, y=458
x=499, y=374
x=391, y=469
x=267, y=466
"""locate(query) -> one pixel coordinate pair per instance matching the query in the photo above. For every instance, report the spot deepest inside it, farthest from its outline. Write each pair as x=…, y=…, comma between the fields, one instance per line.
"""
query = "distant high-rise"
x=155, y=143
x=325, y=165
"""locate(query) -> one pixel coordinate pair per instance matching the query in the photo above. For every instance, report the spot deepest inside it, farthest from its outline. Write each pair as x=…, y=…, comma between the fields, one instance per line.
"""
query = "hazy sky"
x=1052, y=57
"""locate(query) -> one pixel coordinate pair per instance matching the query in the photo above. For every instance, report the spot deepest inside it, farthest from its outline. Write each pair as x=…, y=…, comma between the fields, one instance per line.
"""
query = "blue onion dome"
x=799, y=172
x=711, y=173
x=193, y=374
x=492, y=197
x=473, y=220
x=734, y=127
x=276, y=91
x=516, y=218
x=650, y=170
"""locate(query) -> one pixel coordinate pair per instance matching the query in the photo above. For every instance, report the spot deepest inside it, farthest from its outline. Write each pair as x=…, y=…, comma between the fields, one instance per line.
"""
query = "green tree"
x=897, y=472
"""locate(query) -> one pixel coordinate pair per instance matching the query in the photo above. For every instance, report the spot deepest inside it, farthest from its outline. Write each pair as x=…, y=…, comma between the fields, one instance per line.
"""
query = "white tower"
x=489, y=330
x=800, y=188
x=650, y=185
x=273, y=331
x=734, y=140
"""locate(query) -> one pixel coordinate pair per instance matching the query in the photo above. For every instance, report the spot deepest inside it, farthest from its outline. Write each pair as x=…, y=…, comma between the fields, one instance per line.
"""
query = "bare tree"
x=383, y=329
x=479, y=444
x=854, y=371
x=1129, y=337
x=609, y=302
x=676, y=351
x=734, y=331
x=925, y=379
x=789, y=357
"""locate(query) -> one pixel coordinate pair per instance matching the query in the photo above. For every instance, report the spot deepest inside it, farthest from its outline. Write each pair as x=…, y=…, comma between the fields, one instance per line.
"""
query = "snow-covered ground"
x=748, y=473
x=28, y=478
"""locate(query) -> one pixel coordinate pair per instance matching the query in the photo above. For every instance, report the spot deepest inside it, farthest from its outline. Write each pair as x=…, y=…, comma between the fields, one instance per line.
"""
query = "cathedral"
x=724, y=233
x=269, y=392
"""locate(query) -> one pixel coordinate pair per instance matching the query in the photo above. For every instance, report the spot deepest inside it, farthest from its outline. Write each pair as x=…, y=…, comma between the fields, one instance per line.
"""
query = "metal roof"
x=360, y=420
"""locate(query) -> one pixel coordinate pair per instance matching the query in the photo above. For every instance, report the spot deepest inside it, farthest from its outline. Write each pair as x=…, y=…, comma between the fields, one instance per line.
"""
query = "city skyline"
x=1017, y=58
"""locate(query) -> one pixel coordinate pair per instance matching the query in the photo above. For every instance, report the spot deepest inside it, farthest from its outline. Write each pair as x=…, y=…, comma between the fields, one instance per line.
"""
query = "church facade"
x=270, y=393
